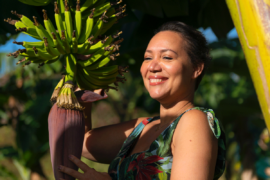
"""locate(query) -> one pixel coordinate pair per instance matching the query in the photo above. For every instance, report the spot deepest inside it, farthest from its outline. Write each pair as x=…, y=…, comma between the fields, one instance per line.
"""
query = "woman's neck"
x=170, y=111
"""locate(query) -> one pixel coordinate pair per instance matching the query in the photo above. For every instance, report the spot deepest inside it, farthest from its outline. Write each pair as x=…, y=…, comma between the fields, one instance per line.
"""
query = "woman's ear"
x=198, y=70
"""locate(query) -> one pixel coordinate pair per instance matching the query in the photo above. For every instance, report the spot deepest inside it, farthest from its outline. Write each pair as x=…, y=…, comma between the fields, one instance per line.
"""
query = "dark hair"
x=195, y=46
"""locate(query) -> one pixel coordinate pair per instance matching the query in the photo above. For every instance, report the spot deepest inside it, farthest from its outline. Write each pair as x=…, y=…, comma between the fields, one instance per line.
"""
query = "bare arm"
x=102, y=144
x=194, y=148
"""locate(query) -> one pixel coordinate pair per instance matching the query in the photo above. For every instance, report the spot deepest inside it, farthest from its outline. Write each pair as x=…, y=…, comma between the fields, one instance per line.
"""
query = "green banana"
x=41, y=54
x=39, y=44
x=111, y=21
x=24, y=19
x=50, y=28
x=98, y=64
x=102, y=43
x=57, y=90
x=68, y=22
x=35, y=60
x=112, y=37
x=84, y=83
x=86, y=13
x=59, y=19
x=42, y=32
x=61, y=8
x=27, y=63
x=29, y=31
x=28, y=52
x=95, y=57
x=36, y=2
x=98, y=26
x=50, y=50
x=110, y=12
x=16, y=23
x=85, y=46
x=99, y=3
x=95, y=47
x=57, y=44
x=50, y=61
x=71, y=68
x=103, y=71
x=74, y=42
x=87, y=28
x=104, y=7
x=107, y=26
x=65, y=43
x=78, y=19
x=87, y=4
x=21, y=60
x=99, y=82
x=38, y=60
x=101, y=9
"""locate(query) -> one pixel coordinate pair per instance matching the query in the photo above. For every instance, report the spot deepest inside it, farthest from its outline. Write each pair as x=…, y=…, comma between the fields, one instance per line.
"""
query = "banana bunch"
x=36, y=2
x=79, y=37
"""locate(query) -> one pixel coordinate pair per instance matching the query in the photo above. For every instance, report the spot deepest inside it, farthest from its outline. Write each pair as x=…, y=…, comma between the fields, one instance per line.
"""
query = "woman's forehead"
x=166, y=40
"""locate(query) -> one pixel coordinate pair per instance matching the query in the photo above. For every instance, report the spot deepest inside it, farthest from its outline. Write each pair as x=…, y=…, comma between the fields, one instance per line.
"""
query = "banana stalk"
x=251, y=19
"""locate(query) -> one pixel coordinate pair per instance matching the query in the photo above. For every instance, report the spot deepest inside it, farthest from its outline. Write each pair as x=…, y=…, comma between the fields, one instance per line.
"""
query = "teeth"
x=155, y=80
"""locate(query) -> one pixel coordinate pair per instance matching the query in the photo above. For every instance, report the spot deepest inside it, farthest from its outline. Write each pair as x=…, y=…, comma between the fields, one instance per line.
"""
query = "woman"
x=184, y=142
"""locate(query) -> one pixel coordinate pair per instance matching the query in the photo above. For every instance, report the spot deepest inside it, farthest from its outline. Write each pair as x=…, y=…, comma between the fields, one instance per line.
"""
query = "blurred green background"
x=226, y=88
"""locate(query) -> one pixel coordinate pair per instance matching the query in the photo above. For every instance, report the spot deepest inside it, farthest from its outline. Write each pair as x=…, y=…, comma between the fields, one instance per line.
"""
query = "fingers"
x=100, y=92
x=77, y=89
x=70, y=172
x=87, y=96
x=97, y=91
x=79, y=163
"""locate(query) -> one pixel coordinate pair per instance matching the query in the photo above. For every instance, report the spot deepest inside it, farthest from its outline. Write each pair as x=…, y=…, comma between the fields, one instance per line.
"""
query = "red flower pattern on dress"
x=145, y=121
x=144, y=171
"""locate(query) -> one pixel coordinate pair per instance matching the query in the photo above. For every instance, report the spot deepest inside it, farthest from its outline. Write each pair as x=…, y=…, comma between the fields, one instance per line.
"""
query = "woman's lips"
x=156, y=80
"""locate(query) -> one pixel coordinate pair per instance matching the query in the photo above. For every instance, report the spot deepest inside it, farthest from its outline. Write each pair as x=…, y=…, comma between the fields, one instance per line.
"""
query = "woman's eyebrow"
x=163, y=50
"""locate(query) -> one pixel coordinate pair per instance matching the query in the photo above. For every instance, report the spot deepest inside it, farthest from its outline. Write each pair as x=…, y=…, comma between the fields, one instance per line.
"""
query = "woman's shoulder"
x=202, y=126
x=193, y=120
x=197, y=124
x=201, y=117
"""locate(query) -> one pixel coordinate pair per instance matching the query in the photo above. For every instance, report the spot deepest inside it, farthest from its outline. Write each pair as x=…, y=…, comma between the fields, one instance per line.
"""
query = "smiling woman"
x=183, y=140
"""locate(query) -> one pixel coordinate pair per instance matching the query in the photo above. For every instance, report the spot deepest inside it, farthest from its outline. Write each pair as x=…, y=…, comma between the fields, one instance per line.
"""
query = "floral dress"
x=156, y=162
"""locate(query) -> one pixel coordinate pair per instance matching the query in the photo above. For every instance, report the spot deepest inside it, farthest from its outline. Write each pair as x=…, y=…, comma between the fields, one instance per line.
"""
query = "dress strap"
x=212, y=120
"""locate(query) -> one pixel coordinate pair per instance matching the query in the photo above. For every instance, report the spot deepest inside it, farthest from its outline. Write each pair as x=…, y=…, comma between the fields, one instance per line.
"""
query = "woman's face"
x=167, y=71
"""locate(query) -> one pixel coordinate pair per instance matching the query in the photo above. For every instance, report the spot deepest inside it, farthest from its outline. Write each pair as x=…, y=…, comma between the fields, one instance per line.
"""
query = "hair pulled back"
x=195, y=44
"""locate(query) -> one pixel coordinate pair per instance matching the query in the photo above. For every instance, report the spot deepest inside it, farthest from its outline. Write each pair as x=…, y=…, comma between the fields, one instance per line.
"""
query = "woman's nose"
x=155, y=66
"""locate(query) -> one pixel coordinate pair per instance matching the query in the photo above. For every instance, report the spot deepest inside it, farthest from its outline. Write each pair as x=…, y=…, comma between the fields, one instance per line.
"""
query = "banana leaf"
x=251, y=19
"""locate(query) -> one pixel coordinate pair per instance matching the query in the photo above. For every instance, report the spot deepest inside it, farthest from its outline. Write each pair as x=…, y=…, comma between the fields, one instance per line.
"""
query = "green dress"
x=156, y=162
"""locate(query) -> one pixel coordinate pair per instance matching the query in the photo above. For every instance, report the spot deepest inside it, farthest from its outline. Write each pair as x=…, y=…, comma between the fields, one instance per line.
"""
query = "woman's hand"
x=86, y=97
x=89, y=173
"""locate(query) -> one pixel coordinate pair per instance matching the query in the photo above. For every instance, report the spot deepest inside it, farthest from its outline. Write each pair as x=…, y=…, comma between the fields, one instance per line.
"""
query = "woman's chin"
x=157, y=96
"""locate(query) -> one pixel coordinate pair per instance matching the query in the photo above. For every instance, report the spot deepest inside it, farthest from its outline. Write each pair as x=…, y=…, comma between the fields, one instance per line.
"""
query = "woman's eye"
x=147, y=58
x=167, y=58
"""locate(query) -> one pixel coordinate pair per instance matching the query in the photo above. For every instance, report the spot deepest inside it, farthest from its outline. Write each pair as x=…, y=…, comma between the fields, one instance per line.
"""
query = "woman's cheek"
x=143, y=69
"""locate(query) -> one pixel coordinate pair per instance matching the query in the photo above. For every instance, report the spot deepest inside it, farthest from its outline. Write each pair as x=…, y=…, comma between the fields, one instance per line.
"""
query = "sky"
x=10, y=47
